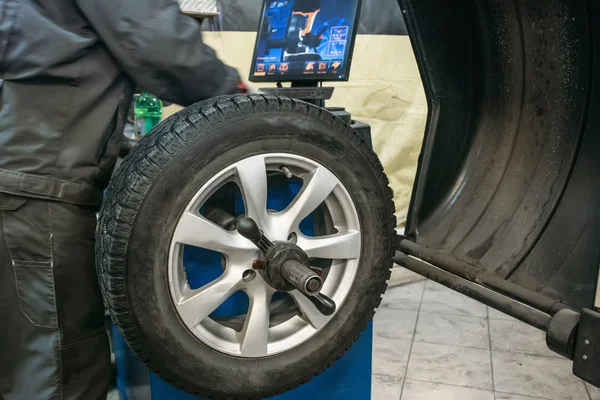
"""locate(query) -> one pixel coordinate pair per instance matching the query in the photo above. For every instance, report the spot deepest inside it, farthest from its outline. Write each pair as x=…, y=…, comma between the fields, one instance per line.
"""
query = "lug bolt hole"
x=293, y=237
x=249, y=275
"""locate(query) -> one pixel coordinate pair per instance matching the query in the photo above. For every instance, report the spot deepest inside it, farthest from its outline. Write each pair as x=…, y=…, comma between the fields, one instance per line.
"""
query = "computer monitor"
x=305, y=40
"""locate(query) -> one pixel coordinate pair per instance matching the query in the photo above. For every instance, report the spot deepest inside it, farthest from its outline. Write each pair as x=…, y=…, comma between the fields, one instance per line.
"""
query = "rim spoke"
x=255, y=335
x=340, y=246
x=309, y=311
x=202, y=302
x=252, y=173
x=197, y=231
x=314, y=192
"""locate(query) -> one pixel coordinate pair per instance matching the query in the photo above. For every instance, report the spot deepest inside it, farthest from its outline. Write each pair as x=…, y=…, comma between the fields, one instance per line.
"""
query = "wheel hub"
x=287, y=267
x=276, y=257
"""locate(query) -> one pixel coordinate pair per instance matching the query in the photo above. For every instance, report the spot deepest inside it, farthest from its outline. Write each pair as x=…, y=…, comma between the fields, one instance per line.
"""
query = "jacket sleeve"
x=160, y=48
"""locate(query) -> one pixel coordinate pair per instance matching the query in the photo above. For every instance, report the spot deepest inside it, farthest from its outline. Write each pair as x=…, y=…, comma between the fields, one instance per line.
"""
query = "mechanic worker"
x=68, y=69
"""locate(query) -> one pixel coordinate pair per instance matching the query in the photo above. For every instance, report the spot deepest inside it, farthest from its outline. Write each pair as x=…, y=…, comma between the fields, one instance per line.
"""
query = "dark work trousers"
x=53, y=343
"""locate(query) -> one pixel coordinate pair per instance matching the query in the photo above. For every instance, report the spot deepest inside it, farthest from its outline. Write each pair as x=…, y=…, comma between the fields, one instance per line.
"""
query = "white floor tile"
x=416, y=390
x=439, y=299
x=594, y=392
x=518, y=337
x=390, y=356
x=402, y=276
x=394, y=324
x=384, y=387
x=507, y=396
x=459, y=366
x=450, y=358
x=405, y=297
x=536, y=376
x=495, y=314
x=455, y=330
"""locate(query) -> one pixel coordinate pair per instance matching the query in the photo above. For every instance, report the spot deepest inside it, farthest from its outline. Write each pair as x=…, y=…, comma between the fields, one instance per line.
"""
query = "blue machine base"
x=348, y=378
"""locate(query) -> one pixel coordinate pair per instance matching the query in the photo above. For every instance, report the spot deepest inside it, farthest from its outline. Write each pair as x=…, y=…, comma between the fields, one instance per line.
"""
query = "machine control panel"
x=301, y=40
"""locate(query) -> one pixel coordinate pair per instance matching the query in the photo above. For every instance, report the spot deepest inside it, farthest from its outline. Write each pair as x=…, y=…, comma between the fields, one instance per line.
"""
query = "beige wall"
x=385, y=91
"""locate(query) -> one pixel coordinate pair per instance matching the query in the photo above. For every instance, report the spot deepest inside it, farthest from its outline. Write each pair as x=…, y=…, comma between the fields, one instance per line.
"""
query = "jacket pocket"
x=28, y=236
x=35, y=288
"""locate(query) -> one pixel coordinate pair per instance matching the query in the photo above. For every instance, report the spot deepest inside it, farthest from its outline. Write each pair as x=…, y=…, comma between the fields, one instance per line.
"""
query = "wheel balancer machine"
x=305, y=42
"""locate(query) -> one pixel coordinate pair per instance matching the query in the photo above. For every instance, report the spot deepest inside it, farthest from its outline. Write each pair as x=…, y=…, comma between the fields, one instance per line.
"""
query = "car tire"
x=149, y=193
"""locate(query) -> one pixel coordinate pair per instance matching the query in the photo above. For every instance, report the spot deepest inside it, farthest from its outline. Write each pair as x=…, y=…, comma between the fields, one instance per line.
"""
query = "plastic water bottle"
x=148, y=113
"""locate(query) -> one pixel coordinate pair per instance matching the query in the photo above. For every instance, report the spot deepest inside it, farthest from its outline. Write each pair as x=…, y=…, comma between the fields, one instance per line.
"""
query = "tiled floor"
x=434, y=344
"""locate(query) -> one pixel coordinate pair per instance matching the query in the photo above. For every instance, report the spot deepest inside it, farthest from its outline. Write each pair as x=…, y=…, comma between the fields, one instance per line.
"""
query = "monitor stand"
x=309, y=91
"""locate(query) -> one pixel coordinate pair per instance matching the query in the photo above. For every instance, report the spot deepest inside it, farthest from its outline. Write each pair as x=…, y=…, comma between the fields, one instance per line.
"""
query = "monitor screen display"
x=305, y=40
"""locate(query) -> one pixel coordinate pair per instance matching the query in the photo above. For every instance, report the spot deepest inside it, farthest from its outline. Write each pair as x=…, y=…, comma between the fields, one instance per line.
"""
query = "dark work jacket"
x=68, y=68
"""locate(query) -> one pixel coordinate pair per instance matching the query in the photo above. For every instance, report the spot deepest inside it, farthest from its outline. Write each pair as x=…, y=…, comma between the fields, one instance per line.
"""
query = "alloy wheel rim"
x=260, y=336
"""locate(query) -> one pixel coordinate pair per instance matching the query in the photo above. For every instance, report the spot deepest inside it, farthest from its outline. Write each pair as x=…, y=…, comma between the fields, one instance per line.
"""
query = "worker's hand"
x=248, y=88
